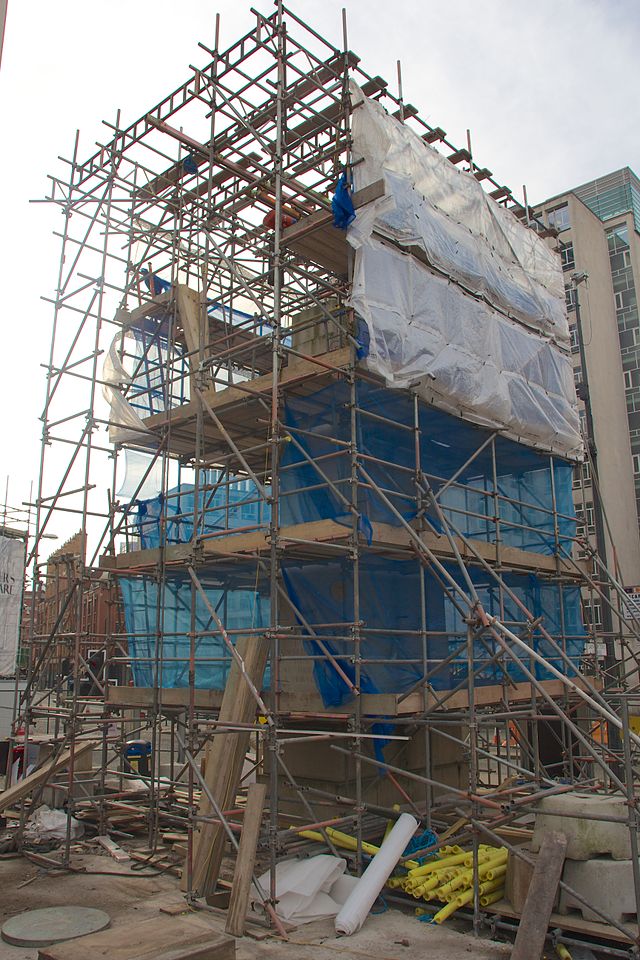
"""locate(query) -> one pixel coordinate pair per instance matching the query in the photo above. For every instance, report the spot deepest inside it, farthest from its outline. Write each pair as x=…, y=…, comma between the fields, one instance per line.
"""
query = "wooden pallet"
x=159, y=938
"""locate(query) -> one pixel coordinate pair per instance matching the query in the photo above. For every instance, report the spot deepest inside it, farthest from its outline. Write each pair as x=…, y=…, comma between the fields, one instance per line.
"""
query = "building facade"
x=598, y=235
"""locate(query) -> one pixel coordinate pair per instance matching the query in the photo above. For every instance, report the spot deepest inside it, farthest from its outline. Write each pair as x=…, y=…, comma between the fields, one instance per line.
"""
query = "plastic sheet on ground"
x=310, y=889
x=48, y=824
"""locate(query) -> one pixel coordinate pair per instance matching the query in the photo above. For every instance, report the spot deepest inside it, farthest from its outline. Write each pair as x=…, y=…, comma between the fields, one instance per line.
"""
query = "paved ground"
x=126, y=898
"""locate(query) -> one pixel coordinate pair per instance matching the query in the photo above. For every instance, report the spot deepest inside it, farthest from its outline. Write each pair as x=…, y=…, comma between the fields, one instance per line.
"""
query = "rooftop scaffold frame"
x=211, y=430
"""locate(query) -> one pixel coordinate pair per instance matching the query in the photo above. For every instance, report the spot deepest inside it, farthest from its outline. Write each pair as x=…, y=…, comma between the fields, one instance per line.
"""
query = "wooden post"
x=245, y=862
x=224, y=759
x=534, y=921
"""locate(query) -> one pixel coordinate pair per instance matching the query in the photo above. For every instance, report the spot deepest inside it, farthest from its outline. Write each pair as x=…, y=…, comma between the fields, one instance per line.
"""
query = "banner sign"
x=12, y=557
x=633, y=594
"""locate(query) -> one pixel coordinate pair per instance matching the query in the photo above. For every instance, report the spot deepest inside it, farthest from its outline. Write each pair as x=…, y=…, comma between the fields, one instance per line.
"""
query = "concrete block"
x=586, y=838
x=83, y=787
x=604, y=884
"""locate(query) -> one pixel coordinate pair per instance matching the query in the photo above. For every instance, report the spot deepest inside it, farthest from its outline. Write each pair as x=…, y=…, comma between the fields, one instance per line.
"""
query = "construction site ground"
x=392, y=935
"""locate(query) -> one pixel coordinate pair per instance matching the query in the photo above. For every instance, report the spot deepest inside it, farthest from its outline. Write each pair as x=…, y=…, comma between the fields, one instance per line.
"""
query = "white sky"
x=549, y=90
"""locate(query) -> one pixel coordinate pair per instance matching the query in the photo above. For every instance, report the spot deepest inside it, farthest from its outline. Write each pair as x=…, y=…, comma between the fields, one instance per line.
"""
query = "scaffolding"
x=205, y=349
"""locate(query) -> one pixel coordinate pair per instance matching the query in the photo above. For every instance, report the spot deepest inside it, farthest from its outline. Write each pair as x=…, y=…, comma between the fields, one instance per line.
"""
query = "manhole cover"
x=37, y=928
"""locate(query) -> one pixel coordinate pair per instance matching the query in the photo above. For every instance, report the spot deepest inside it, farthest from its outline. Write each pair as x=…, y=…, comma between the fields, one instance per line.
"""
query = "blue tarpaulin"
x=514, y=481
x=158, y=623
x=342, y=205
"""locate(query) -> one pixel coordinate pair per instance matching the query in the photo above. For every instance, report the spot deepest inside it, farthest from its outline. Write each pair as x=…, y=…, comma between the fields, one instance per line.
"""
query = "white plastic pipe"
x=359, y=903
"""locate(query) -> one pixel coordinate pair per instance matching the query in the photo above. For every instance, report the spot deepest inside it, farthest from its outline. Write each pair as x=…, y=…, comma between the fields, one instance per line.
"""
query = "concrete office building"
x=598, y=225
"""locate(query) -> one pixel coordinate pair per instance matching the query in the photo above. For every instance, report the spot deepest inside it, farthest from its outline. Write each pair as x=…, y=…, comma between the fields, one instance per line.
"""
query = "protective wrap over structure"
x=461, y=301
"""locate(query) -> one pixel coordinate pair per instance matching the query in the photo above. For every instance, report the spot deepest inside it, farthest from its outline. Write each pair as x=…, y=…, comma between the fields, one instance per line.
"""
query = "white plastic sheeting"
x=142, y=478
x=125, y=425
x=310, y=889
x=357, y=906
x=48, y=824
x=461, y=300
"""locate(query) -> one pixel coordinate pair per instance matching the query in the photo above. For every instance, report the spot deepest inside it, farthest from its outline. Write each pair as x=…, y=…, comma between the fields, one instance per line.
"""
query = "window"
x=559, y=218
x=581, y=476
x=570, y=296
x=592, y=611
x=585, y=512
x=618, y=239
x=573, y=333
x=583, y=422
x=577, y=375
x=577, y=477
x=628, y=379
x=636, y=464
x=567, y=257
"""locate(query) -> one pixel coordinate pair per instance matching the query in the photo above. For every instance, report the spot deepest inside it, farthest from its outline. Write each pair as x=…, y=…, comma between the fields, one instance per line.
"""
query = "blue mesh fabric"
x=225, y=508
x=236, y=596
x=388, y=454
x=390, y=601
x=390, y=590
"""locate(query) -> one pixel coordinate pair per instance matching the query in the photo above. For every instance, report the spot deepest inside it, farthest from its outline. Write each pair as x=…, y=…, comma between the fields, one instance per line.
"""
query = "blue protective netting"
x=390, y=590
x=236, y=596
x=221, y=506
x=160, y=368
x=389, y=456
x=390, y=600
x=149, y=391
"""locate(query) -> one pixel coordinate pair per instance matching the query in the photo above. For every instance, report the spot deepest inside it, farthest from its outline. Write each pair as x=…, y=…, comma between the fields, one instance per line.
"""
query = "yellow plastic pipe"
x=446, y=912
x=390, y=823
x=483, y=857
x=461, y=880
x=431, y=883
x=434, y=865
x=464, y=877
x=490, y=885
x=562, y=952
x=466, y=896
x=489, y=898
x=340, y=839
x=494, y=863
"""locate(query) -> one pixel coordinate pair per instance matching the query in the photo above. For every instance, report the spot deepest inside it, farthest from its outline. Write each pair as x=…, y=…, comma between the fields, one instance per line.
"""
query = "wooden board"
x=112, y=848
x=372, y=704
x=315, y=238
x=224, y=760
x=221, y=400
x=571, y=923
x=23, y=788
x=245, y=860
x=315, y=533
x=159, y=938
x=518, y=879
x=534, y=921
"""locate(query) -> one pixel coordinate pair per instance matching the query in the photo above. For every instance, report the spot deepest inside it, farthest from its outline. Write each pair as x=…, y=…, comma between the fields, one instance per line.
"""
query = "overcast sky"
x=548, y=88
